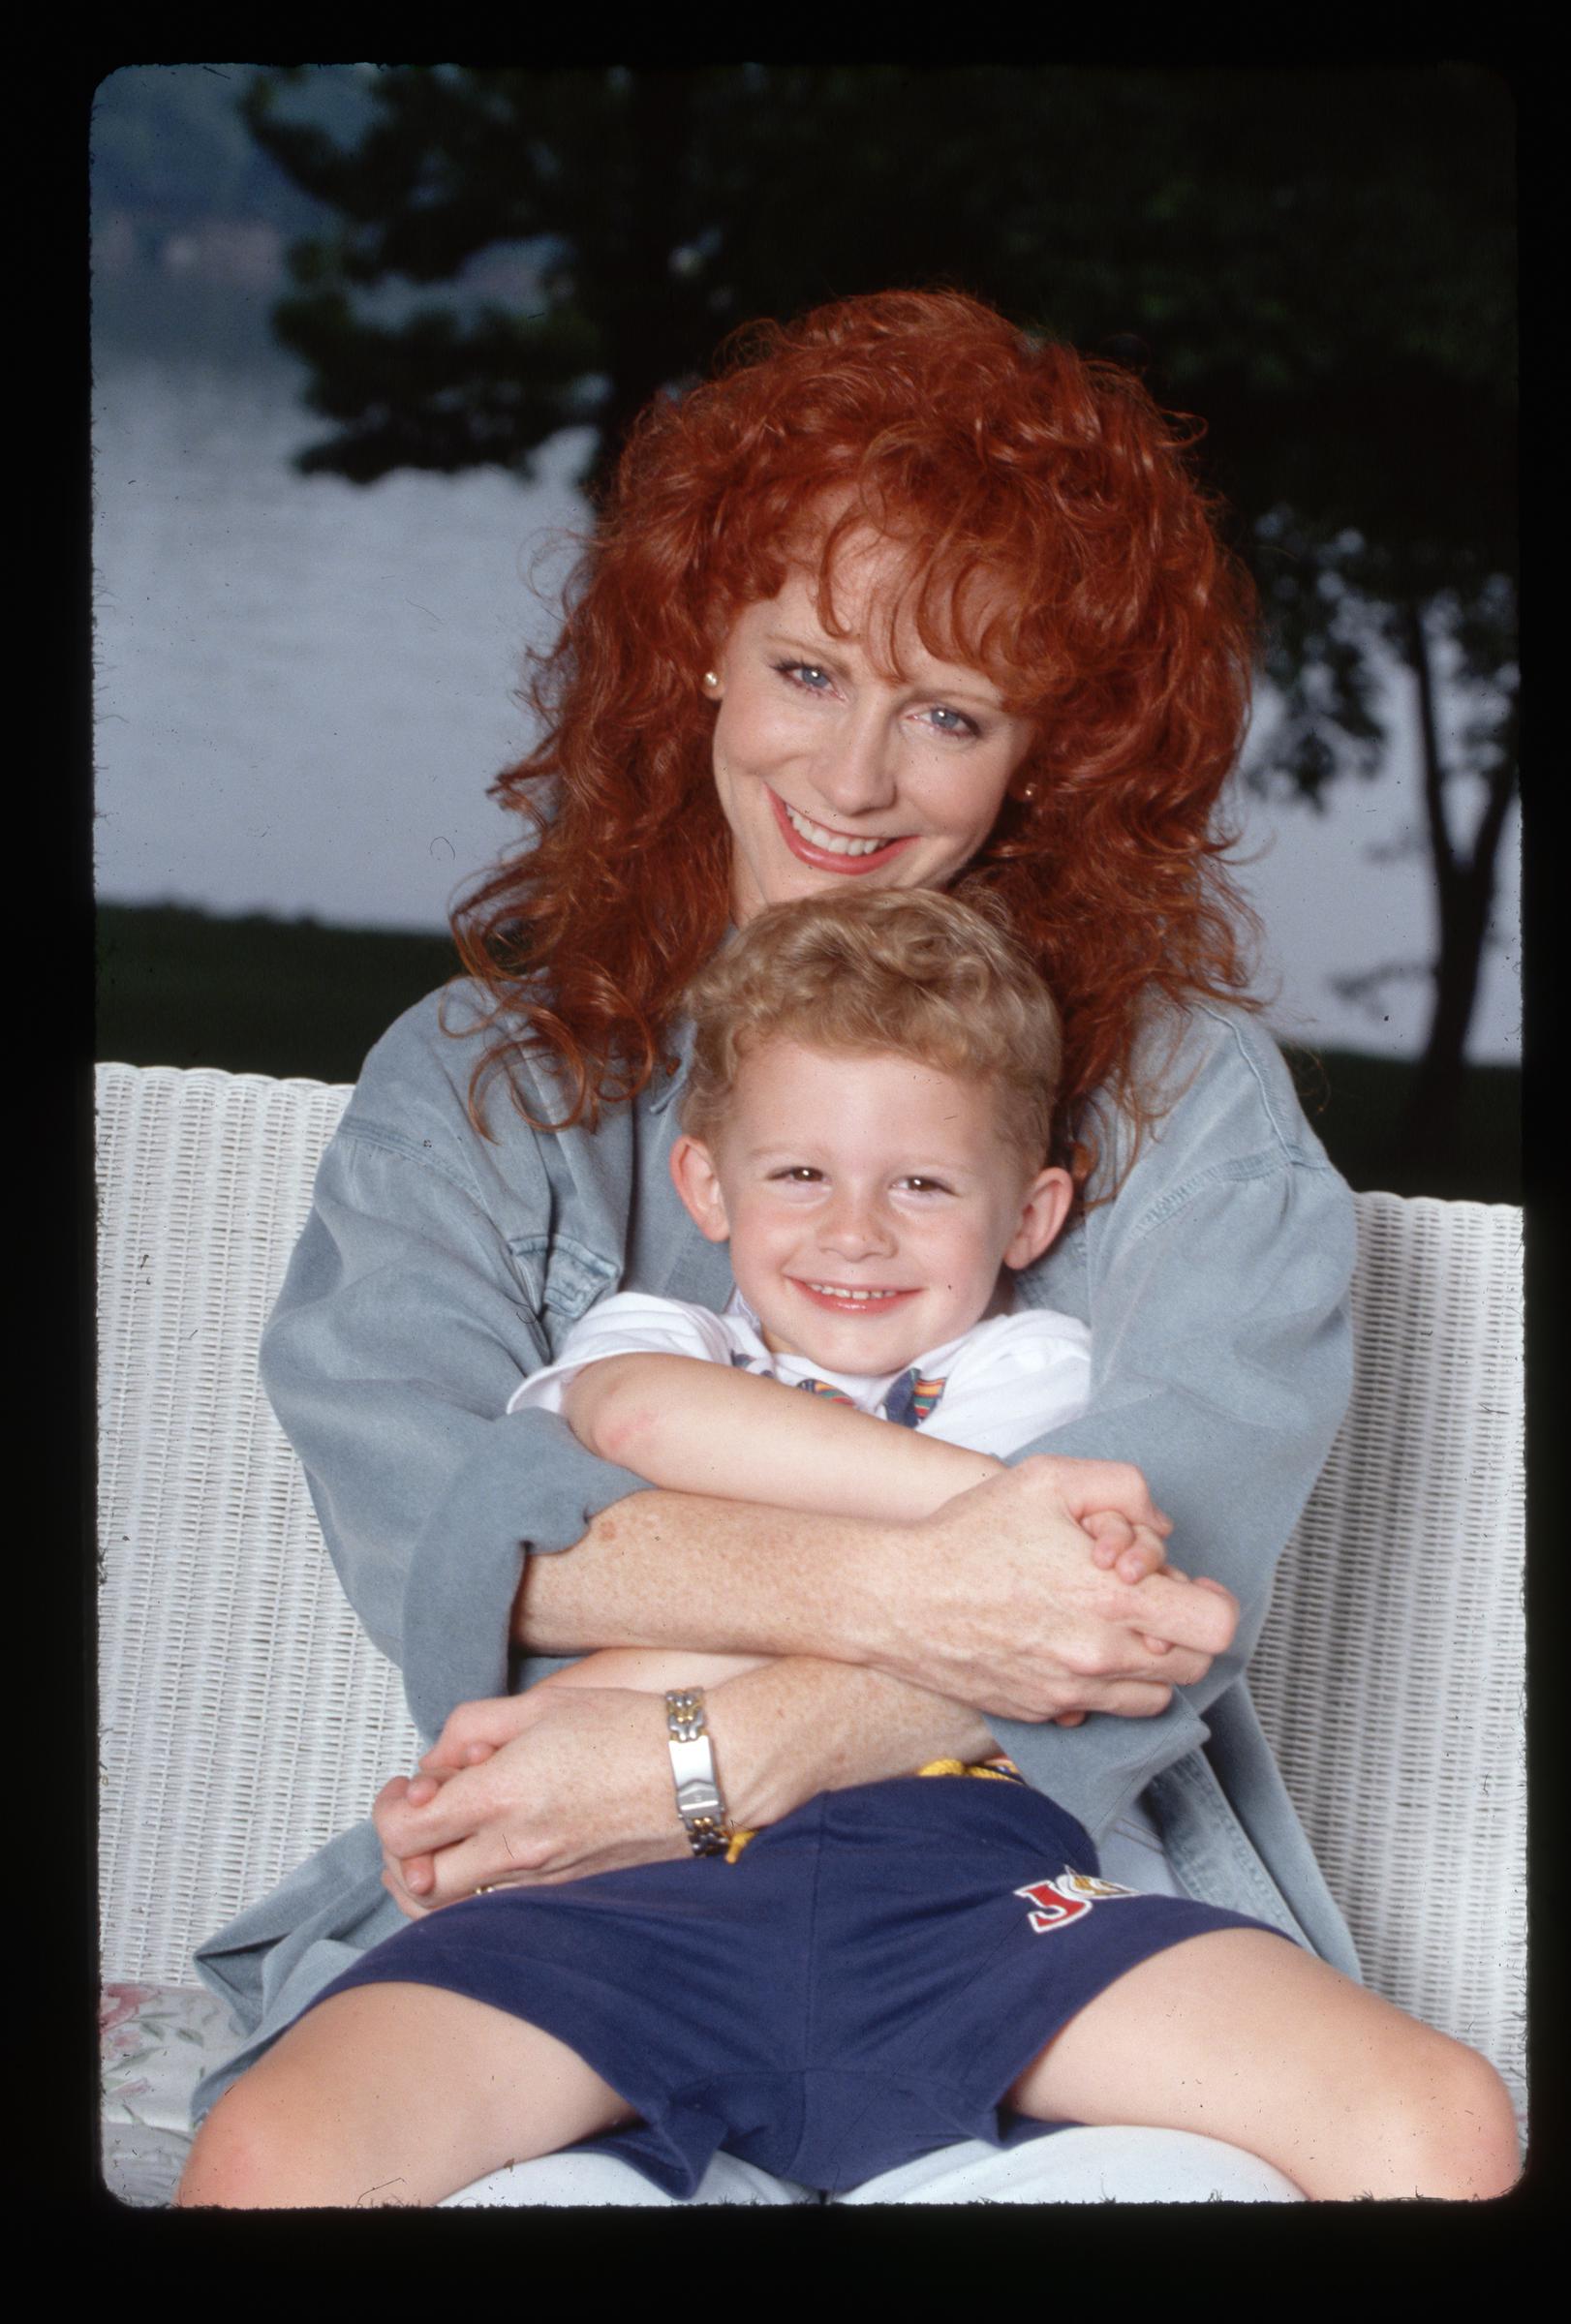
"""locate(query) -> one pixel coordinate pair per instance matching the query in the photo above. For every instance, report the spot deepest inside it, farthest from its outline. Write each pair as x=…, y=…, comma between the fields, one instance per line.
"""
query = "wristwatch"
x=698, y=1801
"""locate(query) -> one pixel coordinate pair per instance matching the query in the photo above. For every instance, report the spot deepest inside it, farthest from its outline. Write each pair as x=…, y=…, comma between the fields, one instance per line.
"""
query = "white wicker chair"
x=246, y=1718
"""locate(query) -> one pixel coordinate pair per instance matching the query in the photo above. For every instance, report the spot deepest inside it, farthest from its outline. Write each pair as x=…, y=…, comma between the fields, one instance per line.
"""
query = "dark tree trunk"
x=649, y=327
x=1464, y=889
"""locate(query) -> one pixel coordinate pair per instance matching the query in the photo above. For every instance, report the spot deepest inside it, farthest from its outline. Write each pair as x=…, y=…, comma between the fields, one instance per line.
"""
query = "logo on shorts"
x=1065, y=1897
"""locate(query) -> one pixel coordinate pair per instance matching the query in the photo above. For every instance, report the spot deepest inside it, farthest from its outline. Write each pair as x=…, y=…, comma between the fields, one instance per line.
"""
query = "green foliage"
x=170, y=146
x=1267, y=237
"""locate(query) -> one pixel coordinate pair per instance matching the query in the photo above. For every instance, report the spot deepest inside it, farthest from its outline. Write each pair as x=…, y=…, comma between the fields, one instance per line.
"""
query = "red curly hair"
x=1113, y=616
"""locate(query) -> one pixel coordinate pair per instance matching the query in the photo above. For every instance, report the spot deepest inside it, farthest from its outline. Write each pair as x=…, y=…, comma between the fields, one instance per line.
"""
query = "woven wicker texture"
x=1390, y=1674
x=245, y=1718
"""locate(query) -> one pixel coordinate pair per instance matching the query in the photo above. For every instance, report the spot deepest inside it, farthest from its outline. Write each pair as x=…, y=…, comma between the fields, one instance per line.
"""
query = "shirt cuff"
x=1094, y=1771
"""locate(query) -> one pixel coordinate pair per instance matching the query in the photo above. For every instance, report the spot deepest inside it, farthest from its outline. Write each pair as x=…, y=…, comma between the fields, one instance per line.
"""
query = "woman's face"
x=828, y=771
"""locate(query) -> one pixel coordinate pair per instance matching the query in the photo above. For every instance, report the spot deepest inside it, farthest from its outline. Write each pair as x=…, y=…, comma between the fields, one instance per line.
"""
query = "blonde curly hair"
x=918, y=972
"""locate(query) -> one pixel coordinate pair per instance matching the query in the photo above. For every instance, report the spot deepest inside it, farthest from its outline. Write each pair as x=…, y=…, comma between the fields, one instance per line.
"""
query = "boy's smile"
x=870, y=1203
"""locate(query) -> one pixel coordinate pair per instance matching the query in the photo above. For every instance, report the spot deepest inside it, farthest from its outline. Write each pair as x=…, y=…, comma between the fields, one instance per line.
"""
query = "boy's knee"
x=244, y=2156
x=223, y=2164
x=1449, y=2123
x=1482, y=2134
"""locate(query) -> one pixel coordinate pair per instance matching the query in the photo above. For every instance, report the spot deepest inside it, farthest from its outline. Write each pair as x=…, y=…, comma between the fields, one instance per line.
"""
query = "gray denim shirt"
x=437, y=1267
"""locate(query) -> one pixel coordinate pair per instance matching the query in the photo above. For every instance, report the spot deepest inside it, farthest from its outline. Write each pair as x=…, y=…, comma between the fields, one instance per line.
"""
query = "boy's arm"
x=696, y=1428
x=652, y=1670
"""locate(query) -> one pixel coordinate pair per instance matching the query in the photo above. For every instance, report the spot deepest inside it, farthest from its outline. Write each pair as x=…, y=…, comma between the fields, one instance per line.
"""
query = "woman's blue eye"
x=807, y=674
x=962, y=724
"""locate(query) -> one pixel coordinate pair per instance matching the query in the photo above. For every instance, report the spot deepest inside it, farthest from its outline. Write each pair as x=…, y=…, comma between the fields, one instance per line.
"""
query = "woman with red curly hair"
x=902, y=596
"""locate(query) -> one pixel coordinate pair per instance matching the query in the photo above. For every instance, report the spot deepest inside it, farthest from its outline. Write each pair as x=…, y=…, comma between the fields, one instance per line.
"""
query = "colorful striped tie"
x=911, y=1398
x=821, y=1388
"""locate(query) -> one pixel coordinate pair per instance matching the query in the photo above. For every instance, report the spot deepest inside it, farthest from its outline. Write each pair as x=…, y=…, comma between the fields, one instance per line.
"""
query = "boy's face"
x=870, y=1203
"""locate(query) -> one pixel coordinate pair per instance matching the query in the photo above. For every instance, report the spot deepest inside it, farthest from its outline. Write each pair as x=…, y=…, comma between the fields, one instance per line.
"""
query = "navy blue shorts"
x=861, y=1987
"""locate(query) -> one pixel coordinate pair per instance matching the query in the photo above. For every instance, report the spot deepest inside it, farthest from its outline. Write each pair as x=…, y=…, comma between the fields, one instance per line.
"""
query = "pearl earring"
x=711, y=679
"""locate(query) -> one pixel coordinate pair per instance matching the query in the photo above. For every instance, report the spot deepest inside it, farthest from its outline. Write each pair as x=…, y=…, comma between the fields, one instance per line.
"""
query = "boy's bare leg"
x=1251, y=2039
x=394, y=2094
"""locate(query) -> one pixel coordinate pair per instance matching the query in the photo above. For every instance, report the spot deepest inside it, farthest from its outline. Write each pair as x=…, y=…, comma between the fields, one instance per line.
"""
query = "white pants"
x=1071, y=2167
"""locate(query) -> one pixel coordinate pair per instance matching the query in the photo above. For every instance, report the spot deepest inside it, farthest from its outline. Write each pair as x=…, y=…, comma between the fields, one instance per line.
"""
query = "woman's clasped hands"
x=1043, y=1594
x=550, y=1784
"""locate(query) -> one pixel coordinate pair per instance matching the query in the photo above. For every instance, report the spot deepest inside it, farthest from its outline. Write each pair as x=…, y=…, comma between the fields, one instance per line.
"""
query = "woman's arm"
x=782, y=1732
x=995, y=1600
x=1216, y=1290
x=690, y=1422
x=413, y=1307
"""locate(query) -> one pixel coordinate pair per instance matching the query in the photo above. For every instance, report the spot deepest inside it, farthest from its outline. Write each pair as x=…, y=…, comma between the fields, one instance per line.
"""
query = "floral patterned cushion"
x=156, y=2042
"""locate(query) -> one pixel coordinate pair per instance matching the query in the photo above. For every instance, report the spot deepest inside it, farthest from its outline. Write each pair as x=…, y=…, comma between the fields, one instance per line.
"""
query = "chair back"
x=246, y=1717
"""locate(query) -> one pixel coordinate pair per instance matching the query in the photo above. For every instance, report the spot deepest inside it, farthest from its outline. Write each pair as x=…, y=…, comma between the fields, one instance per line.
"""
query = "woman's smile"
x=810, y=842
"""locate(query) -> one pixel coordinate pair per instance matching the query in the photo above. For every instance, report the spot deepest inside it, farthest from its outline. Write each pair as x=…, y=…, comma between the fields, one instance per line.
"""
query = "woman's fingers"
x=999, y=1601
x=406, y=1878
x=1145, y=1552
x=1121, y=1699
x=1112, y=1535
x=476, y=1730
x=1170, y=1607
x=1135, y=1698
x=407, y=1829
x=1089, y=1488
x=409, y=1906
x=584, y=1782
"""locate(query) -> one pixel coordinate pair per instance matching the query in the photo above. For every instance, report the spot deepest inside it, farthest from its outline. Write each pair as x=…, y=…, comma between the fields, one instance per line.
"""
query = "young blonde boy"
x=898, y=1965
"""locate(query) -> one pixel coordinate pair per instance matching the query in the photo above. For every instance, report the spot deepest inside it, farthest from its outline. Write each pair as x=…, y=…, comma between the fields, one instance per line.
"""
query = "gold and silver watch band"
x=699, y=1802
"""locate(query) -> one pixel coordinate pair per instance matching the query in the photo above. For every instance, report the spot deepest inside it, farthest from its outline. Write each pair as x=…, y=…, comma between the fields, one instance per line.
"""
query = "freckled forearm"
x=665, y=1569
x=800, y=1726
x=693, y=1576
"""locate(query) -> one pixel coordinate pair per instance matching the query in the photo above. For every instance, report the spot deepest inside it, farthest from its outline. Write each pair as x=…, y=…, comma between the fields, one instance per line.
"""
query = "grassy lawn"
x=292, y=998
x=254, y=994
